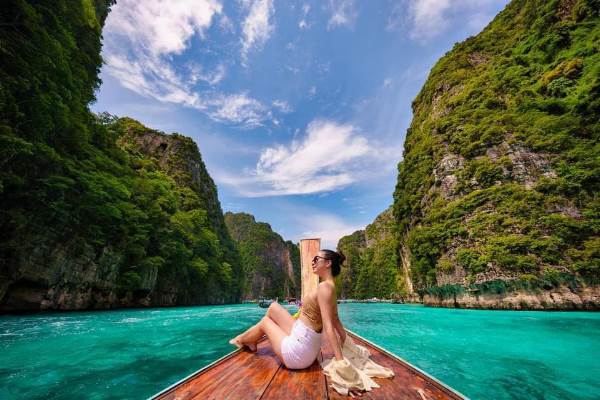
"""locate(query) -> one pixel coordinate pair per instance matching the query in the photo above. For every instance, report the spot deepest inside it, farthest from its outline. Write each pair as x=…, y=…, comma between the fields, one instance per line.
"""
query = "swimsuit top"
x=312, y=311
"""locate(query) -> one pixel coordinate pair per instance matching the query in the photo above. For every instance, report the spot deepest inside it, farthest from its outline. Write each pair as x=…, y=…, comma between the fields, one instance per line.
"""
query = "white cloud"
x=257, y=27
x=427, y=19
x=240, y=109
x=343, y=13
x=226, y=24
x=151, y=77
x=329, y=227
x=155, y=78
x=140, y=41
x=330, y=157
x=303, y=24
x=282, y=105
x=162, y=26
x=197, y=73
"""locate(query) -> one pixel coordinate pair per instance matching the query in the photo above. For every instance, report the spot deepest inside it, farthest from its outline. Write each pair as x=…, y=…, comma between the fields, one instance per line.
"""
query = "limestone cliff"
x=558, y=298
x=95, y=212
x=372, y=267
x=496, y=203
x=168, y=244
x=272, y=265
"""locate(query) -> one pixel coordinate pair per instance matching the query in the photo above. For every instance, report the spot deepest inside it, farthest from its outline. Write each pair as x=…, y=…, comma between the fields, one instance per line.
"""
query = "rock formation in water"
x=95, y=212
x=496, y=203
x=272, y=265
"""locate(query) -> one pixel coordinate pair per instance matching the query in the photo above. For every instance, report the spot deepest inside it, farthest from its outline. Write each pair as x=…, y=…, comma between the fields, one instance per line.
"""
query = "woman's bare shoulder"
x=326, y=287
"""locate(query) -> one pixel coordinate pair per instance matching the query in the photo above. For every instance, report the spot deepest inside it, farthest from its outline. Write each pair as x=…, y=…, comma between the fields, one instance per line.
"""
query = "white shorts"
x=301, y=348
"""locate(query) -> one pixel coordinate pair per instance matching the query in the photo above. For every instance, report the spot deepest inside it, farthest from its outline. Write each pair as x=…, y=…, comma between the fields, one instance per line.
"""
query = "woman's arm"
x=326, y=304
x=341, y=331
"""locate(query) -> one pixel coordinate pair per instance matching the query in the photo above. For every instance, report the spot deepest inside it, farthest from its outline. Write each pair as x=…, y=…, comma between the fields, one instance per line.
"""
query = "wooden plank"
x=260, y=375
x=408, y=382
x=244, y=376
x=306, y=384
x=308, y=249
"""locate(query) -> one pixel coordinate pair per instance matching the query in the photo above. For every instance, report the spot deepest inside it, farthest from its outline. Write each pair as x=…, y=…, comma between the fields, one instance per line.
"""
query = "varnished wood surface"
x=261, y=375
x=308, y=249
x=408, y=382
x=305, y=384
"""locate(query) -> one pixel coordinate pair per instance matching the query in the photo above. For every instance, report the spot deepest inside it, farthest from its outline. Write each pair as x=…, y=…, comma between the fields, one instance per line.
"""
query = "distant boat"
x=265, y=303
x=290, y=301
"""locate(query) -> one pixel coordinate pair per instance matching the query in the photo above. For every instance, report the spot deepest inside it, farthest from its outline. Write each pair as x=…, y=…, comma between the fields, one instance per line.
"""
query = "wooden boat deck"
x=261, y=375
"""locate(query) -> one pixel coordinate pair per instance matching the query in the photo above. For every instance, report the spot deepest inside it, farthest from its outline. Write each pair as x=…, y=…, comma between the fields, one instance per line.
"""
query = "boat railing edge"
x=378, y=347
x=410, y=365
x=212, y=364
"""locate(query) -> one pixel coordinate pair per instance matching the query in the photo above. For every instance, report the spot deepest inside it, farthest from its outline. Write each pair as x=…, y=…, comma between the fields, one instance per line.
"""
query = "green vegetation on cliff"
x=272, y=265
x=372, y=266
x=501, y=166
x=91, y=215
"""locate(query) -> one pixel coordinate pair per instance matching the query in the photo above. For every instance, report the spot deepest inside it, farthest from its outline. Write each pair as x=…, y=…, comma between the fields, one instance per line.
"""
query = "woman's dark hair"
x=337, y=259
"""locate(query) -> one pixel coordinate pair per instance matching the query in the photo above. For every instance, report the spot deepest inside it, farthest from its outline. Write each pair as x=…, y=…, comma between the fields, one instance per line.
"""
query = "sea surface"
x=133, y=354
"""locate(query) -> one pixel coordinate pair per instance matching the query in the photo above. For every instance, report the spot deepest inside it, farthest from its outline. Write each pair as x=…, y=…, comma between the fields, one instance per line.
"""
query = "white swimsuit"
x=301, y=348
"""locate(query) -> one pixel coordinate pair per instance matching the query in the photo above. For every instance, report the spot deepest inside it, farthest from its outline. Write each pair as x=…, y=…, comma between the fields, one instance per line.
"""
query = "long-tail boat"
x=242, y=374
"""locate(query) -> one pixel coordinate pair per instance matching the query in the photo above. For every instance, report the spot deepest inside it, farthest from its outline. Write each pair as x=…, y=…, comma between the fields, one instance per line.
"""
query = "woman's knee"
x=272, y=307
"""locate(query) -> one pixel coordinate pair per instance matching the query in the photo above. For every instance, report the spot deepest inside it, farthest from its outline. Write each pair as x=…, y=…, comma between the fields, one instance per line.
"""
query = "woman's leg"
x=274, y=333
x=277, y=322
x=281, y=317
x=268, y=327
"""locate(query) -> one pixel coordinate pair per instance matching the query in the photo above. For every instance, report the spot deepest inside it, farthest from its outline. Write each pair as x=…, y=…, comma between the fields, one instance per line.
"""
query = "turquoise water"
x=133, y=354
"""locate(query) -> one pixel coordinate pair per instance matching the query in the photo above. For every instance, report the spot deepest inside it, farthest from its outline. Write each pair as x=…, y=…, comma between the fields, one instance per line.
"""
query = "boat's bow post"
x=308, y=249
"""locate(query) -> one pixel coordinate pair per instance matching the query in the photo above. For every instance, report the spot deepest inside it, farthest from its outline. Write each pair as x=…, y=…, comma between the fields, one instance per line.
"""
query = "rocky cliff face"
x=95, y=212
x=272, y=265
x=179, y=158
x=353, y=247
x=498, y=187
x=372, y=268
x=177, y=209
x=559, y=298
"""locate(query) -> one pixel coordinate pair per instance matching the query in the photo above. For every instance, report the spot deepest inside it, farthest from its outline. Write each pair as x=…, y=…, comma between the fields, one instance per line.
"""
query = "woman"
x=298, y=342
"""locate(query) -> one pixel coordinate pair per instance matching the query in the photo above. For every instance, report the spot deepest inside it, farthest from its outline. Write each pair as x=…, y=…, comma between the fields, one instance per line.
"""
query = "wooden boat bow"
x=242, y=374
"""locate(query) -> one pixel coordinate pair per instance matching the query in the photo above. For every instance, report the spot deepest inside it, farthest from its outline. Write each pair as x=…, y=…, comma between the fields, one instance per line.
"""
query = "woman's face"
x=320, y=263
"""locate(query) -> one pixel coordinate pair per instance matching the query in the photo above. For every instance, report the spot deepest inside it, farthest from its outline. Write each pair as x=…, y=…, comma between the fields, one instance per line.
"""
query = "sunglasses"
x=316, y=259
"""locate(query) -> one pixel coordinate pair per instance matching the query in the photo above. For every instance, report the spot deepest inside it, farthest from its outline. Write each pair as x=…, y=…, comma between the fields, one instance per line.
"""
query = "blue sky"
x=299, y=109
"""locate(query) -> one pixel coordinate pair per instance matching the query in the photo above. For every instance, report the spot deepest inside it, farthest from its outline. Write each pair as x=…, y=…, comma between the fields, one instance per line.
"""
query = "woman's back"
x=311, y=312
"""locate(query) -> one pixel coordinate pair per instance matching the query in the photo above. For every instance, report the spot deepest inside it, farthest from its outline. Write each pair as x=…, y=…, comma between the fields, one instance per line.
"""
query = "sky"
x=299, y=108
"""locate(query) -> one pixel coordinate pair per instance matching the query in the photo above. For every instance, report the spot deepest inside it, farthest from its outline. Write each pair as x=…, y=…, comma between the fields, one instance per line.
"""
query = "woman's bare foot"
x=236, y=341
